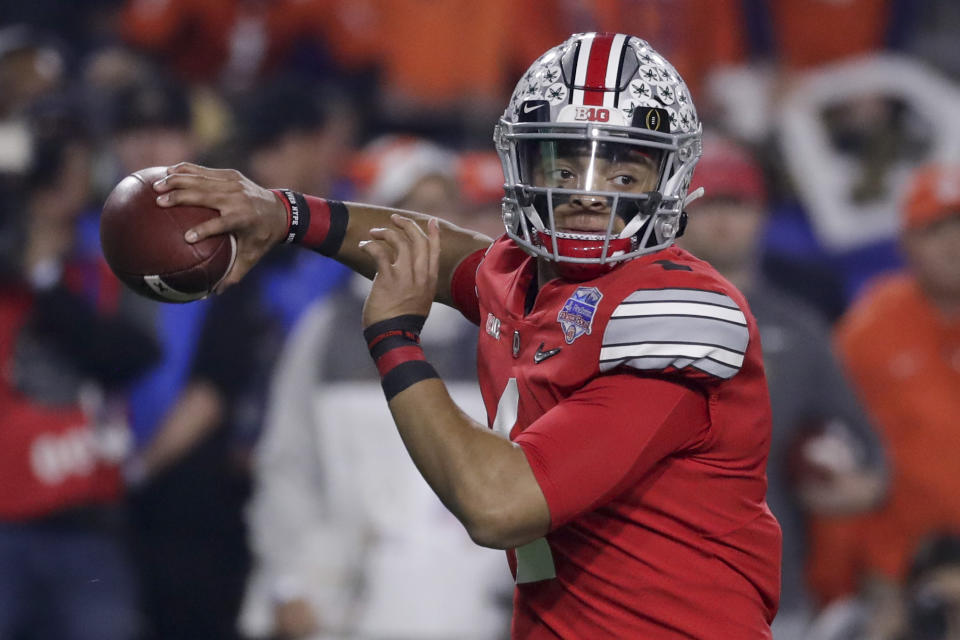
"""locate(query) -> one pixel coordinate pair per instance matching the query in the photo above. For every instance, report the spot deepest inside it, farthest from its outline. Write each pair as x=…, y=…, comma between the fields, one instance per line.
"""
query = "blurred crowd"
x=227, y=468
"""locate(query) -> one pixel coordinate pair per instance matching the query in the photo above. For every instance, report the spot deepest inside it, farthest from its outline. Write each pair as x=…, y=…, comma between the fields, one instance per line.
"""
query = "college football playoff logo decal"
x=576, y=316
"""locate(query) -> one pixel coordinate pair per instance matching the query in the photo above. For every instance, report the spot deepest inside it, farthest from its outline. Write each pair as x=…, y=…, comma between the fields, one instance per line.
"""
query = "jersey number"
x=534, y=559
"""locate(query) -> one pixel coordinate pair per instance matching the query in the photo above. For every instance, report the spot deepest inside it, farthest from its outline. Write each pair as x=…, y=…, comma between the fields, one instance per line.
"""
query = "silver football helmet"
x=606, y=99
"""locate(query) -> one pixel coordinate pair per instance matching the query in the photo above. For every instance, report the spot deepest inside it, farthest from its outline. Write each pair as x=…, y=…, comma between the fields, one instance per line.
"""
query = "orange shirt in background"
x=814, y=32
x=694, y=35
x=441, y=53
x=904, y=359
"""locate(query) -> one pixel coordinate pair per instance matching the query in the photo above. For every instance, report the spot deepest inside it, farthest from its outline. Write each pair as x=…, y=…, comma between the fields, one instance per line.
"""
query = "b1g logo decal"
x=599, y=115
x=592, y=114
x=576, y=316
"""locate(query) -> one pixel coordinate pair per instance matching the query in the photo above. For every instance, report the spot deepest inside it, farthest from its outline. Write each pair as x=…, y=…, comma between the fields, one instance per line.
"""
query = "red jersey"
x=640, y=401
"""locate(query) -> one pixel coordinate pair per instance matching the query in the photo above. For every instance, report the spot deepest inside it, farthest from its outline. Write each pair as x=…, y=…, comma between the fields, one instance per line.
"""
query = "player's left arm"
x=483, y=478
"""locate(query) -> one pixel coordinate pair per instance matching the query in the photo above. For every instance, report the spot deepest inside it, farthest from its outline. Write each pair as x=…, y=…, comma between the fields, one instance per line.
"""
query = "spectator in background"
x=151, y=125
x=200, y=412
x=29, y=69
x=438, y=64
x=70, y=342
x=150, y=122
x=298, y=132
x=933, y=590
x=928, y=609
x=814, y=408
x=348, y=540
x=901, y=345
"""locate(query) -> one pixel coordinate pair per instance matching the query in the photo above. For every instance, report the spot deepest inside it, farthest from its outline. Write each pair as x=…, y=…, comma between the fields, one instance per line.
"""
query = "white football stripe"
x=679, y=309
x=233, y=258
x=164, y=290
x=648, y=349
x=613, y=63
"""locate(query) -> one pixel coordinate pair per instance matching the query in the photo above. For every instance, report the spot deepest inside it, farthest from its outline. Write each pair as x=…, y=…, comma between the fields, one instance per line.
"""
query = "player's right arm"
x=259, y=220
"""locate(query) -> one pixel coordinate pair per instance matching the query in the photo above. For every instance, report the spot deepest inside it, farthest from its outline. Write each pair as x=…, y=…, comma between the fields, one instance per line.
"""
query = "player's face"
x=591, y=167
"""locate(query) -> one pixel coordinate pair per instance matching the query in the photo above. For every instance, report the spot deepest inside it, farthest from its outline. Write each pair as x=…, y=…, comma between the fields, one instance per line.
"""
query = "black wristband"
x=339, y=217
x=404, y=375
x=394, y=345
x=409, y=322
x=299, y=215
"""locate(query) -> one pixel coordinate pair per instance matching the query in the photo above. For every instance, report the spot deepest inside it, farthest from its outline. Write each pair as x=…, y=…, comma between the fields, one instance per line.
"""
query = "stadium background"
x=835, y=101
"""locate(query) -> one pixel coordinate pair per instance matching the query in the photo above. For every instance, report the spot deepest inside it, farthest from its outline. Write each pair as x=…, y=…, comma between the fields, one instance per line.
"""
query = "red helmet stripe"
x=597, y=68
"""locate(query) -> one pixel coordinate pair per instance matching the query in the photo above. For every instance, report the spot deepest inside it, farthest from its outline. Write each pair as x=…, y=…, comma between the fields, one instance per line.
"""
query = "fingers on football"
x=185, y=181
x=199, y=192
x=215, y=227
x=196, y=169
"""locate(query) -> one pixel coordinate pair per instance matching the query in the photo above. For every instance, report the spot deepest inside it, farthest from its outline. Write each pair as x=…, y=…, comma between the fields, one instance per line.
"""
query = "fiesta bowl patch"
x=576, y=315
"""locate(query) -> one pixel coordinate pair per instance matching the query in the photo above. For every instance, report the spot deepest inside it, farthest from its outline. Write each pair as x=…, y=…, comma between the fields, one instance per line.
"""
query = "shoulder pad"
x=691, y=330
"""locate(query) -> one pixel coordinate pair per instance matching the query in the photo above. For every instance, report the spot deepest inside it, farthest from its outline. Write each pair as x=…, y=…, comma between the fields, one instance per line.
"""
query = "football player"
x=624, y=464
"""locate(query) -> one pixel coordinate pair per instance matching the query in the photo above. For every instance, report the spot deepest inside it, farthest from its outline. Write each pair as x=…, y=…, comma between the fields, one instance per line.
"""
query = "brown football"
x=144, y=246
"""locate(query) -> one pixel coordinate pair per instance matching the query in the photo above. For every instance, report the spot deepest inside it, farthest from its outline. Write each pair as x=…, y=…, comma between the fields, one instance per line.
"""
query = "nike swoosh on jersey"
x=656, y=329
x=542, y=355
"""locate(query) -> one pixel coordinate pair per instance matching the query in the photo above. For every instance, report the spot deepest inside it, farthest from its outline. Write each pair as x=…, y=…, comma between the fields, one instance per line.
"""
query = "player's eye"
x=563, y=175
x=623, y=180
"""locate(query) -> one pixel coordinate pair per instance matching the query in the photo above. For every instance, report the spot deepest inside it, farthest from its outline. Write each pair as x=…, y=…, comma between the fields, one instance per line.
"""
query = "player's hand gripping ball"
x=144, y=246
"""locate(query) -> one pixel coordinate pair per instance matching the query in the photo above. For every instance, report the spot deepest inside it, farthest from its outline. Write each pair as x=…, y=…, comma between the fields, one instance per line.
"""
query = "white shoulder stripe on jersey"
x=613, y=66
x=682, y=295
x=673, y=350
x=728, y=335
x=699, y=309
